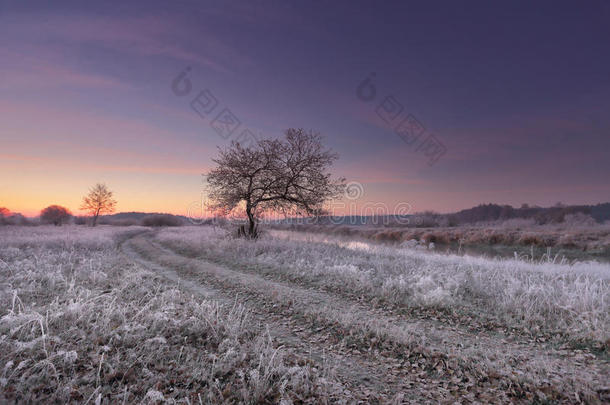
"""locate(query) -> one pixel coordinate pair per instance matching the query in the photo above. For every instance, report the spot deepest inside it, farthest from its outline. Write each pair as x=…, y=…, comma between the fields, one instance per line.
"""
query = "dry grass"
x=80, y=323
x=501, y=323
x=585, y=237
x=568, y=300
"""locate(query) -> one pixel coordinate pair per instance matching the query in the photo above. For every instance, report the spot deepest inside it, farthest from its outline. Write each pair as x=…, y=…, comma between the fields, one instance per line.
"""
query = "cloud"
x=37, y=129
x=79, y=161
x=145, y=36
x=36, y=74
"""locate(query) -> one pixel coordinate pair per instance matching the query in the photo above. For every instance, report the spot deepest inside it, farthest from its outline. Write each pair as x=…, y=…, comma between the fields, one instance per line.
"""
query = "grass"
x=594, y=240
x=80, y=323
x=569, y=300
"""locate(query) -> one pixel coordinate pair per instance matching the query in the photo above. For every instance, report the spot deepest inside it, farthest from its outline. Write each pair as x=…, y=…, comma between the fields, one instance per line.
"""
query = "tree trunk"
x=250, y=221
x=95, y=217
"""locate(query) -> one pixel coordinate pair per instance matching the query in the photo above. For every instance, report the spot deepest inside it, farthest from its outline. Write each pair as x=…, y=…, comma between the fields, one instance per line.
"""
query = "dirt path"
x=380, y=355
x=367, y=381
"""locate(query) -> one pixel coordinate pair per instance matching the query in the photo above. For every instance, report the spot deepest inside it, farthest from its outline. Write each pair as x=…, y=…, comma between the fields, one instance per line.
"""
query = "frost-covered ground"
x=192, y=314
x=564, y=299
x=79, y=322
x=541, y=326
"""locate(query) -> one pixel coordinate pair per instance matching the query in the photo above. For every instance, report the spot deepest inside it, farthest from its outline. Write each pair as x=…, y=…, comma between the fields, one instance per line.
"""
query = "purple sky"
x=518, y=93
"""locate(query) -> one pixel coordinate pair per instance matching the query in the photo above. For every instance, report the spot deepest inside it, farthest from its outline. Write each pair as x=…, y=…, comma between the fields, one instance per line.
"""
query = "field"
x=193, y=315
x=574, y=241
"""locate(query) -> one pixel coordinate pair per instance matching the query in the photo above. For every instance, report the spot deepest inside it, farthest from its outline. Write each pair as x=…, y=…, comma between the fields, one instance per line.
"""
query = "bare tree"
x=55, y=214
x=98, y=201
x=291, y=174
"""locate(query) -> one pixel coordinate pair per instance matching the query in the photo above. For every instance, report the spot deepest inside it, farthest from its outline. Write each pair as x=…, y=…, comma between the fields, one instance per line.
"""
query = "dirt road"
x=381, y=356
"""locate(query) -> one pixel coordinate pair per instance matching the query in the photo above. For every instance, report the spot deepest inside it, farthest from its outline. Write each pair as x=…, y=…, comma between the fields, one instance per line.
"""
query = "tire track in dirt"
x=582, y=373
x=506, y=361
x=366, y=381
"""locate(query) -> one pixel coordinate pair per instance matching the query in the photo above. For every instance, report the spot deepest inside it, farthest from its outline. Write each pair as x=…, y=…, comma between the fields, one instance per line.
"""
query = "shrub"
x=56, y=215
x=18, y=219
x=4, y=213
x=12, y=218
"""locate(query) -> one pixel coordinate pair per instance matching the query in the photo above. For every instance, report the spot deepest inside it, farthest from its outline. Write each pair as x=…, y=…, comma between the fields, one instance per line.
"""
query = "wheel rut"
x=367, y=381
x=289, y=311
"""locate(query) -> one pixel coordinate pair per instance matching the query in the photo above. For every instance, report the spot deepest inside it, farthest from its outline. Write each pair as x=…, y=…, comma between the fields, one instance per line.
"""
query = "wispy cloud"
x=146, y=36
x=36, y=74
x=83, y=164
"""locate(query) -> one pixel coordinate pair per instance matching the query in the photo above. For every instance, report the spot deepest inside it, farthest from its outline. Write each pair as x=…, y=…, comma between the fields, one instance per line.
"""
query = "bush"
x=161, y=220
x=12, y=218
x=18, y=219
x=4, y=214
x=56, y=215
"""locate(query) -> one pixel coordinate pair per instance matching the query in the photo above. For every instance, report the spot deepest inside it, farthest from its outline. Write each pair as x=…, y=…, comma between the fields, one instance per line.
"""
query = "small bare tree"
x=55, y=214
x=98, y=201
x=291, y=174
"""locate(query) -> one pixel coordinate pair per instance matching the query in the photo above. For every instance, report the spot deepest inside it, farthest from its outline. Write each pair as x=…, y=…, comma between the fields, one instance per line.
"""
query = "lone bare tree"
x=291, y=174
x=55, y=214
x=98, y=201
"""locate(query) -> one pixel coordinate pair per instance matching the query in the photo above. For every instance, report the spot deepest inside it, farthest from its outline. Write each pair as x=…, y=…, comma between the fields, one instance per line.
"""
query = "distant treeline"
x=480, y=214
x=494, y=212
x=137, y=218
x=120, y=219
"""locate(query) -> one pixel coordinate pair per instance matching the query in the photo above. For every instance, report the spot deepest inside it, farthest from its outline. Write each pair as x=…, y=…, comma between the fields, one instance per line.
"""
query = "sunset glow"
x=86, y=96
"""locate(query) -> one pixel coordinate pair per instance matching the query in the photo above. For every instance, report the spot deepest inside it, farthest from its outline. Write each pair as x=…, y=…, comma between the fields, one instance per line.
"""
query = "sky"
x=511, y=99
